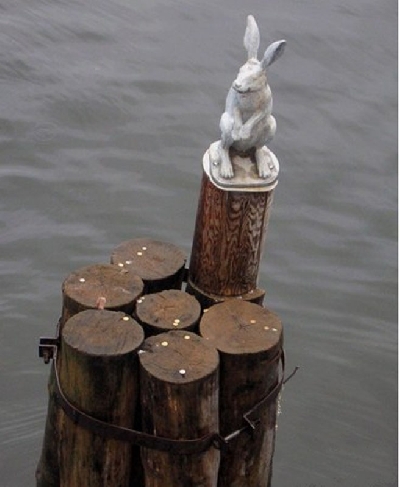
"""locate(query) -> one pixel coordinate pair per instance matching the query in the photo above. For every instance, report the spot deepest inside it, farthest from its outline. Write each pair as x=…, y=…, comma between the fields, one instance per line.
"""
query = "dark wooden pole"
x=168, y=310
x=179, y=398
x=99, y=375
x=248, y=338
x=100, y=285
x=160, y=265
x=228, y=242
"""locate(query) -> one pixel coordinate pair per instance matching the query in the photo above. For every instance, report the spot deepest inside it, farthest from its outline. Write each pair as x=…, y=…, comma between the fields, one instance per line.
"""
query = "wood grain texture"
x=207, y=300
x=99, y=375
x=228, y=239
x=179, y=406
x=83, y=287
x=167, y=310
x=121, y=289
x=161, y=265
x=247, y=337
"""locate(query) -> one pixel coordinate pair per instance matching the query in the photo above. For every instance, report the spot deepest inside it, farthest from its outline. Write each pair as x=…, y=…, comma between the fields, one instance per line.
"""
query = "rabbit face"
x=251, y=77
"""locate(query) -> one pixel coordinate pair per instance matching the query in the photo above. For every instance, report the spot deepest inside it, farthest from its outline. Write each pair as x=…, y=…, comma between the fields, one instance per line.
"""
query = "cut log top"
x=168, y=310
x=178, y=357
x=240, y=327
x=150, y=259
x=103, y=333
x=118, y=286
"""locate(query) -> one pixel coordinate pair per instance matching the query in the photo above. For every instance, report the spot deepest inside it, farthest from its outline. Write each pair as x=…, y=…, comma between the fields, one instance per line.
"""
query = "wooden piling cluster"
x=167, y=377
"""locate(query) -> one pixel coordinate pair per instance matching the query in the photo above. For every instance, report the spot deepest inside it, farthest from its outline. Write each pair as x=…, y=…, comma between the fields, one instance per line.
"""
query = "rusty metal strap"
x=111, y=431
x=180, y=447
x=252, y=416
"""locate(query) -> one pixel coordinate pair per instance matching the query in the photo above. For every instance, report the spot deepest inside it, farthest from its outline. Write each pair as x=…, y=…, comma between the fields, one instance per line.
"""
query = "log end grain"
x=168, y=310
x=103, y=333
x=83, y=288
x=207, y=300
x=178, y=357
x=240, y=327
x=161, y=265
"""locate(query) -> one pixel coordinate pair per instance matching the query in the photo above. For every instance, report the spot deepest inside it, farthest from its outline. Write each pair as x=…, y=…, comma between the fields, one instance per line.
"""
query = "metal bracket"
x=47, y=348
x=253, y=424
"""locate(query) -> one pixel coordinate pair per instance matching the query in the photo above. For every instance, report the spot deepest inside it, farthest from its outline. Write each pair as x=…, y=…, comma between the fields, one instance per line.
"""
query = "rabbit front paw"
x=226, y=169
x=245, y=132
x=264, y=171
x=264, y=164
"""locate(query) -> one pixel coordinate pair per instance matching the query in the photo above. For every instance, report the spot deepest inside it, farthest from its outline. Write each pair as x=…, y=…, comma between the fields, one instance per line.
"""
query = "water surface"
x=106, y=111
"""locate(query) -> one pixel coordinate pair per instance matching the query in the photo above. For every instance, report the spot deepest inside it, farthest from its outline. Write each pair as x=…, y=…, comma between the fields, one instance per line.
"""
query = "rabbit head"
x=252, y=75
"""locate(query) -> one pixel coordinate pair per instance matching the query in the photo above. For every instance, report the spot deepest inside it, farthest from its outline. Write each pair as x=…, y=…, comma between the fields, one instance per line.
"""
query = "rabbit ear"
x=251, y=39
x=272, y=53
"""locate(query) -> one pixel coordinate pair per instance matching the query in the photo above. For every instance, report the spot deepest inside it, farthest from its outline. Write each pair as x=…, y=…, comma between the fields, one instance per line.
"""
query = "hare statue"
x=247, y=123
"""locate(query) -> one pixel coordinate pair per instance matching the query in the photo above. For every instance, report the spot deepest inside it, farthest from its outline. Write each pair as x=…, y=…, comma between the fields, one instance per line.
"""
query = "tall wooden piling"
x=160, y=265
x=249, y=340
x=99, y=376
x=229, y=237
x=179, y=398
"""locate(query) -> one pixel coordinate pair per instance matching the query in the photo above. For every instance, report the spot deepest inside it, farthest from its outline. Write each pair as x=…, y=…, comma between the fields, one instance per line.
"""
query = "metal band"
x=179, y=447
x=111, y=431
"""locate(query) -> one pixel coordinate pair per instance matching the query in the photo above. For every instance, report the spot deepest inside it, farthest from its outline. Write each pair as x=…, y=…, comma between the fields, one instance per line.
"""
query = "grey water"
x=107, y=108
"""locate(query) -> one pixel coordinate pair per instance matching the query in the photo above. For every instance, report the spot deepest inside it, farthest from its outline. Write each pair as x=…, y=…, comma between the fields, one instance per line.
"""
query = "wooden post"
x=167, y=310
x=179, y=397
x=160, y=265
x=99, y=376
x=249, y=340
x=82, y=290
x=228, y=241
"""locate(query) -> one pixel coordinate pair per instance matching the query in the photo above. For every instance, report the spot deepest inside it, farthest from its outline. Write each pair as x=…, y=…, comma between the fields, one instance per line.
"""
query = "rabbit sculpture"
x=247, y=123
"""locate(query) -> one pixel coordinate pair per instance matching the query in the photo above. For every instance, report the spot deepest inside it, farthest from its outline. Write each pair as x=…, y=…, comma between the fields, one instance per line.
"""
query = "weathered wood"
x=120, y=288
x=167, y=310
x=161, y=265
x=48, y=468
x=98, y=375
x=207, y=300
x=228, y=240
x=83, y=288
x=179, y=398
x=247, y=337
